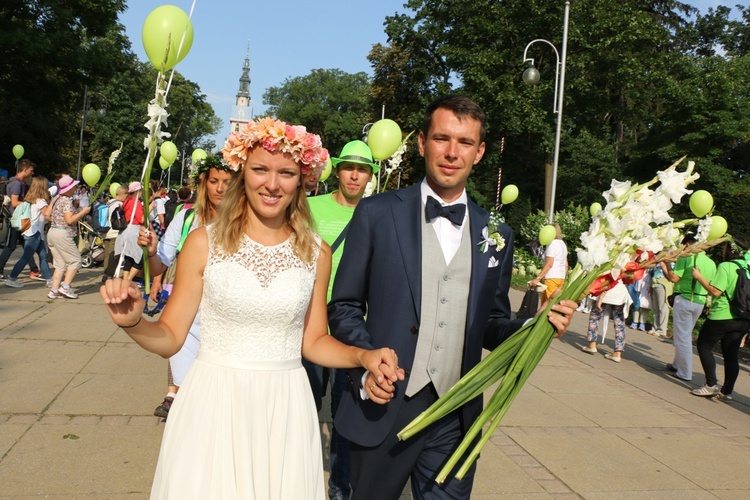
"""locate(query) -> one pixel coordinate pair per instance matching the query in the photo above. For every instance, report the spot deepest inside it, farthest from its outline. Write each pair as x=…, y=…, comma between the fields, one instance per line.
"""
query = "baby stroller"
x=90, y=244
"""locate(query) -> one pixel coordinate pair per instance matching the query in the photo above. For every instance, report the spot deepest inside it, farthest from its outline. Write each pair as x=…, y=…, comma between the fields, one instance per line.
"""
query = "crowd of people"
x=54, y=219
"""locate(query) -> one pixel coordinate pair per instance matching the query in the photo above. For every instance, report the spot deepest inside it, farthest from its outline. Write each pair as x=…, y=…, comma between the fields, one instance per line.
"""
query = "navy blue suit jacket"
x=376, y=301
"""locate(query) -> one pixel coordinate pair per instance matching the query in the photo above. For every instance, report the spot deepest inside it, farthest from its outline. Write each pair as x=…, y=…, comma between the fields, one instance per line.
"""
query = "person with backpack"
x=37, y=200
x=117, y=223
x=728, y=321
x=15, y=190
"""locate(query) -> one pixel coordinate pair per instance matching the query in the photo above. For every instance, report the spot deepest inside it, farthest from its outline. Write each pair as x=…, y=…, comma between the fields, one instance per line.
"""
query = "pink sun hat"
x=65, y=184
x=134, y=186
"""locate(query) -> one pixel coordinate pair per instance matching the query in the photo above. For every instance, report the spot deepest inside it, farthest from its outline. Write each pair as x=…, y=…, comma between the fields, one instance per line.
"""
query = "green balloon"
x=163, y=163
x=701, y=202
x=326, y=170
x=113, y=188
x=91, y=174
x=168, y=151
x=18, y=151
x=384, y=138
x=198, y=155
x=509, y=194
x=595, y=208
x=547, y=234
x=718, y=227
x=163, y=30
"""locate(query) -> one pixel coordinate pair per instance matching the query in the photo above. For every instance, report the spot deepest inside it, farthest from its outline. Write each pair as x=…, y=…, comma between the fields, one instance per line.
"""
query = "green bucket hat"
x=356, y=152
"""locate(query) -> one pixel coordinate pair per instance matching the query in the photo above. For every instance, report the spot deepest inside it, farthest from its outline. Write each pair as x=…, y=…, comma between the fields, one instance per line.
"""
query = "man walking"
x=412, y=264
x=15, y=190
x=332, y=212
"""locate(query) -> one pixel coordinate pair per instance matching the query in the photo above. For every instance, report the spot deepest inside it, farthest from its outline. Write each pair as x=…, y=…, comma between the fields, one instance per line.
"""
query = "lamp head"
x=531, y=76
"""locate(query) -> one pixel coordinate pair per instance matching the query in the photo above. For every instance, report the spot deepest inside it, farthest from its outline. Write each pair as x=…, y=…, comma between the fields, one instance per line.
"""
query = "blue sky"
x=284, y=42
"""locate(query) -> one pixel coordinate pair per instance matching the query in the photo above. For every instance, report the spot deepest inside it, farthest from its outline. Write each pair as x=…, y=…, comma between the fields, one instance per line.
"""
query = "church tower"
x=242, y=112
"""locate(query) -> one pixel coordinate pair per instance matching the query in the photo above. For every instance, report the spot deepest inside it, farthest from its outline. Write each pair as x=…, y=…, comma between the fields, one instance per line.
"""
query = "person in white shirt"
x=555, y=266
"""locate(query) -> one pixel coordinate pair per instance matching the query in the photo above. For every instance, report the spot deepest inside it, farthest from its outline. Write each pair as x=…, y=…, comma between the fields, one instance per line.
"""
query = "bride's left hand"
x=383, y=365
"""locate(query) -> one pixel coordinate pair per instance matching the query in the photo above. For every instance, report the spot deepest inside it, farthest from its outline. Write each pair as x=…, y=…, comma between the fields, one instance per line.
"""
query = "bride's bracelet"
x=133, y=325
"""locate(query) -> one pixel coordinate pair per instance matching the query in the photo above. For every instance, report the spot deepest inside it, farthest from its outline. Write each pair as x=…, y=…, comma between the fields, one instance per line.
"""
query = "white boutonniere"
x=490, y=235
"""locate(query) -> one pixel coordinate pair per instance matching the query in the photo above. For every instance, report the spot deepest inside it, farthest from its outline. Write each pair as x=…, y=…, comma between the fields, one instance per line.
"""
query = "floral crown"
x=204, y=164
x=276, y=135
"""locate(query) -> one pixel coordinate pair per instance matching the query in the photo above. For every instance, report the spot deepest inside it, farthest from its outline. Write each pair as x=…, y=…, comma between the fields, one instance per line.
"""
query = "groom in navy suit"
x=415, y=277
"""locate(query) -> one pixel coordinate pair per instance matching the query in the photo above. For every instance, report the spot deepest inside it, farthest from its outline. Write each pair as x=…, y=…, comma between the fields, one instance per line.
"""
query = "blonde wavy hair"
x=202, y=205
x=39, y=189
x=234, y=213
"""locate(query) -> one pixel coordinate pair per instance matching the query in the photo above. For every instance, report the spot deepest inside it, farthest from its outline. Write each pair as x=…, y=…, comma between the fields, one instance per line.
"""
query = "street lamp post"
x=531, y=77
x=84, y=114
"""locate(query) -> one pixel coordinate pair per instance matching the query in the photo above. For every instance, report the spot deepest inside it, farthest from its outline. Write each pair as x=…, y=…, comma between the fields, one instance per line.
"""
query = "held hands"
x=383, y=373
x=124, y=301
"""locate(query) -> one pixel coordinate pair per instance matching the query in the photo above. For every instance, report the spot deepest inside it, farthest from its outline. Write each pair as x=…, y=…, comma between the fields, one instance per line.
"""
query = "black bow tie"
x=454, y=213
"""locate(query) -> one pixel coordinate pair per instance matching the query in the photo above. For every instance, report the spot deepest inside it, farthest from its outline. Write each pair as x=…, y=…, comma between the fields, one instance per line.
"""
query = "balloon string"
x=499, y=174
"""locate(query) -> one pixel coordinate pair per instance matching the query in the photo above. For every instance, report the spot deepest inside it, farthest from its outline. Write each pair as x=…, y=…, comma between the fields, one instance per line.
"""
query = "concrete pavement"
x=77, y=395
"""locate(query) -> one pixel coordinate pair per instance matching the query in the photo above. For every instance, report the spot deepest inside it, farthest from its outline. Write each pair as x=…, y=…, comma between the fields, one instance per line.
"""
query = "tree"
x=647, y=82
x=329, y=102
x=51, y=49
x=192, y=120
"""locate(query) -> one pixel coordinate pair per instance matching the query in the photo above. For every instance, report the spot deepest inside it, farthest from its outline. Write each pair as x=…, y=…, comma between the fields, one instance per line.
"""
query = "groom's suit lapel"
x=479, y=260
x=407, y=219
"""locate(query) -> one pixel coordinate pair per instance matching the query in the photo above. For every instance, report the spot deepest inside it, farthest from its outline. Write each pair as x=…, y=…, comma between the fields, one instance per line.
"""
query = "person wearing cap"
x=127, y=241
x=415, y=276
x=332, y=212
x=61, y=239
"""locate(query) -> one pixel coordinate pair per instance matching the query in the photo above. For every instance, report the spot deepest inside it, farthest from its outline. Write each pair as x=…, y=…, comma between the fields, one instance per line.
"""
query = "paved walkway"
x=76, y=396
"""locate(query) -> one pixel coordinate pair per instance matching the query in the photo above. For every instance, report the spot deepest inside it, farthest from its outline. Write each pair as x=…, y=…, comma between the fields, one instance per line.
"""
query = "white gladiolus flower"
x=704, y=226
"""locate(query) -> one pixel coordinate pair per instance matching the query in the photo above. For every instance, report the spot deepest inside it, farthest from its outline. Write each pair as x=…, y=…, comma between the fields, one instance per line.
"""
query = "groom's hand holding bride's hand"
x=383, y=373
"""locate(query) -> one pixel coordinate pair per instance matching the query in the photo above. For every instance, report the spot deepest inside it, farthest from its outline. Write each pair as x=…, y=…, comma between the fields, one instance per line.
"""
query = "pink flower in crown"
x=311, y=141
x=290, y=133
x=270, y=144
x=307, y=156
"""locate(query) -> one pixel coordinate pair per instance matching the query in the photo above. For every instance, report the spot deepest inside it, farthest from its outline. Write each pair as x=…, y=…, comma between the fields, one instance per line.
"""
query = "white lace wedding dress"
x=244, y=423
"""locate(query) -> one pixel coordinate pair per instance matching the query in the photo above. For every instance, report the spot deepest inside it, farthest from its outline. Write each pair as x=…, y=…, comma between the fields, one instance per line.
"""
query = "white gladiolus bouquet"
x=633, y=232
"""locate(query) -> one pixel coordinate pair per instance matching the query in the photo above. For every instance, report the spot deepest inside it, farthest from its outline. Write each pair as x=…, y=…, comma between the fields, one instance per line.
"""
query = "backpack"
x=117, y=220
x=170, y=210
x=740, y=303
x=21, y=212
x=101, y=221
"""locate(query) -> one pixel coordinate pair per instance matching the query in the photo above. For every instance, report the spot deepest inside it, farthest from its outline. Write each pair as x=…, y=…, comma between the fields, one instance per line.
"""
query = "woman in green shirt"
x=721, y=325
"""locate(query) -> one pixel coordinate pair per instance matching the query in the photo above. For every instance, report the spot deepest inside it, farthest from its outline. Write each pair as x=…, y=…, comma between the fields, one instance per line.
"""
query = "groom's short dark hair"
x=461, y=106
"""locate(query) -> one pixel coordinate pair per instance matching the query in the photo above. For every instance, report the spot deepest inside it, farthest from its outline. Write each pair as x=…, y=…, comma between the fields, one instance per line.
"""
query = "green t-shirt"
x=330, y=219
x=688, y=287
x=726, y=281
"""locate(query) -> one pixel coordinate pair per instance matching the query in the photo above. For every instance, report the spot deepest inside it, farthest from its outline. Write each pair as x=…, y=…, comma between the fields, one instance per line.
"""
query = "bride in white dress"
x=244, y=424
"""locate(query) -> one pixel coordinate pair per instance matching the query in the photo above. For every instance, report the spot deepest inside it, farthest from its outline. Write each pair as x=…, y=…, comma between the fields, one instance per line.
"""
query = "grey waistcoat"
x=445, y=295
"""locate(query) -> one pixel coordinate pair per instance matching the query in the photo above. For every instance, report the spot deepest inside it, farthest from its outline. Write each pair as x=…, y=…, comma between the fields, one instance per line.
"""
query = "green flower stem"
x=513, y=362
x=102, y=186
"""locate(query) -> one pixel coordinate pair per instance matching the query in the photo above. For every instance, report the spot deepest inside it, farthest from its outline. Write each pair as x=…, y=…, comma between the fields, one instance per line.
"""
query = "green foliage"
x=573, y=220
x=329, y=102
x=647, y=82
x=50, y=49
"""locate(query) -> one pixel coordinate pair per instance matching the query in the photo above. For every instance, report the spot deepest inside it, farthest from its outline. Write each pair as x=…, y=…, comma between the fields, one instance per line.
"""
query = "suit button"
x=446, y=277
x=414, y=330
x=443, y=300
x=441, y=324
x=433, y=370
